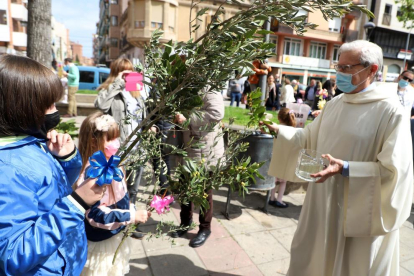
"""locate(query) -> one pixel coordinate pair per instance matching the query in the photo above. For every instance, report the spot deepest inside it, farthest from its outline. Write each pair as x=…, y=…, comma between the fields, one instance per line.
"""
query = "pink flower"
x=161, y=205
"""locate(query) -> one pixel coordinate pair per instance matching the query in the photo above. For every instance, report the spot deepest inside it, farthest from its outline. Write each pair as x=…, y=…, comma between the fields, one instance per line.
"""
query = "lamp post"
x=406, y=46
x=369, y=27
x=263, y=78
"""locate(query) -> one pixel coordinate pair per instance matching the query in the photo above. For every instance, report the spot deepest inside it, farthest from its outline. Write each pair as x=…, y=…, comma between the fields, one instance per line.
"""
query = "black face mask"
x=51, y=121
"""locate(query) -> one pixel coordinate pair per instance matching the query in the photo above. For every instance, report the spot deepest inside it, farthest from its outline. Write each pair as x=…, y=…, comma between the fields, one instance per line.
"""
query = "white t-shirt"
x=406, y=97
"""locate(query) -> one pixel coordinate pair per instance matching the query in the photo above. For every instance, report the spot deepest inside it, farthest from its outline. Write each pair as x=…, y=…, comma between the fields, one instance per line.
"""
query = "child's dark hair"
x=287, y=117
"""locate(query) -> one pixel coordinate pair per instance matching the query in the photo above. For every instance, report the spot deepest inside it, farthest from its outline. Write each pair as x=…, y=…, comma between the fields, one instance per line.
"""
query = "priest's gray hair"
x=370, y=53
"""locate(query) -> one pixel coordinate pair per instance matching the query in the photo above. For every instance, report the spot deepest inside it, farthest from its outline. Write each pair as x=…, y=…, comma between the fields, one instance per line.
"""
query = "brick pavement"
x=250, y=243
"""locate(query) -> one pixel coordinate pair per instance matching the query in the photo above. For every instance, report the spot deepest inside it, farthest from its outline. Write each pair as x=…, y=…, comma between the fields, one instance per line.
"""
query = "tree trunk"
x=39, y=31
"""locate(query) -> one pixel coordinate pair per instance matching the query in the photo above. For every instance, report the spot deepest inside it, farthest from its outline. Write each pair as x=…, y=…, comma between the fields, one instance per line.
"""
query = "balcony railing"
x=19, y=12
x=20, y=39
x=386, y=19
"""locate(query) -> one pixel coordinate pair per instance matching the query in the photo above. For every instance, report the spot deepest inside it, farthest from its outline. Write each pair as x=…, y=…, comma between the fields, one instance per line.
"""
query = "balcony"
x=19, y=39
x=4, y=33
x=306, y=61
x=102, y=42
x=386, y=19
x=19, y=12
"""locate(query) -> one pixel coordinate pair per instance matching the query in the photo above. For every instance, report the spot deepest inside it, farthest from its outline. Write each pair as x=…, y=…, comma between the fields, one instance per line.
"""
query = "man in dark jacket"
x=310, y=93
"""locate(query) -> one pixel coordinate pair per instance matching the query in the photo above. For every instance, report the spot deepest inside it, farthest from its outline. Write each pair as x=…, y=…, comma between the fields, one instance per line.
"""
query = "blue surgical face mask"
x=403, y=83
x=344, y=81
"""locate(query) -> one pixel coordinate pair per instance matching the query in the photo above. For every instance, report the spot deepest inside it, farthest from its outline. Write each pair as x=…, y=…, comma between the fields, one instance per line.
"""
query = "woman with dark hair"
x=329, y=85
x=318, y=89
x=42, y=229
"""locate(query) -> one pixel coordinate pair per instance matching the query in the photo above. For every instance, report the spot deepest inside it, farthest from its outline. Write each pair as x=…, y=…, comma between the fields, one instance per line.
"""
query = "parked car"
x=91, y=77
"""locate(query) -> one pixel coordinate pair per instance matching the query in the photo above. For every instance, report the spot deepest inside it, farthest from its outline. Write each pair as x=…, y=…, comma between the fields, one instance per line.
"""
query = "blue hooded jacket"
x=41, y=225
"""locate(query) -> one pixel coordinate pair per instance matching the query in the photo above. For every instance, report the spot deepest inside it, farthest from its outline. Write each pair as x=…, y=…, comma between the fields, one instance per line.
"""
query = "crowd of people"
x=280, y=92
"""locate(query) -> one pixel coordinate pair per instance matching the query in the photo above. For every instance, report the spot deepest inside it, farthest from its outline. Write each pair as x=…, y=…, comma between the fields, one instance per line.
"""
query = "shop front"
x=303, y=69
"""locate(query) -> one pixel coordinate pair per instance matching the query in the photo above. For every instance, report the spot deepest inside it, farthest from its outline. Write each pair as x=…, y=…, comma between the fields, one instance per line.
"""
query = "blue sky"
x=80, y=17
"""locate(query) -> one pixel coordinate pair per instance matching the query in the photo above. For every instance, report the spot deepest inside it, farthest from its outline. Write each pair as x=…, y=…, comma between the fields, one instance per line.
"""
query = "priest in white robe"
x=350, y=220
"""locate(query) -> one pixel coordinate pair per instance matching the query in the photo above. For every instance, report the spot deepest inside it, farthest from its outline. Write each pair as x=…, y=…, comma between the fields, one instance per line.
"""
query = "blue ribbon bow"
x=103, y=170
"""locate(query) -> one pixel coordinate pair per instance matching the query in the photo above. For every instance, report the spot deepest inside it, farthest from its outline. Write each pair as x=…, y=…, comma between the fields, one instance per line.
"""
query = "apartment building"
x=13, y=23
x=392, y=37
x=61, y=47
x=108, y=31
x=298, y=57
x=312, y=55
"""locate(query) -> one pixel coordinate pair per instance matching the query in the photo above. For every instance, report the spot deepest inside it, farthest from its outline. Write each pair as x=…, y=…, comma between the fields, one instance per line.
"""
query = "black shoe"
x=138, y=234
x=278, y=204
x=201, y=238
x=180, y=233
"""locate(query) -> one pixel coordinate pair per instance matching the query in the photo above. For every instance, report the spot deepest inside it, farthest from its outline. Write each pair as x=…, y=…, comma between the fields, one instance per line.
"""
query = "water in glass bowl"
x=307, y=168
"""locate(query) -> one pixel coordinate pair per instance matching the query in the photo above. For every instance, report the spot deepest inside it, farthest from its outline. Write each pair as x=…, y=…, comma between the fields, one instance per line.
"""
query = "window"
x=139, y=24
x=317, y=50
x=394, y=69
x=156, y=25
x=103, y=77
x=292, y=47
x=273, y=39
x=157, y=14
x=114, y=42
x=399, y=13
x=114, y=2
x=3, y=17
x=302, y=12
x=335, y=24
x=335, y=56
x=114, y=20
x=388, y=9
x=86, y=76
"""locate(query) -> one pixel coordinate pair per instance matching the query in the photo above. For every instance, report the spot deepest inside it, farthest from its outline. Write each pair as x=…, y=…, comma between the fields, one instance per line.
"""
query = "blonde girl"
x=286, y=117
x=106, y=219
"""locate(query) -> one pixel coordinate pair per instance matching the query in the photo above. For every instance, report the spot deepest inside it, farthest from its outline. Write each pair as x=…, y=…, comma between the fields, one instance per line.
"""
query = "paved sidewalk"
x=250, y=243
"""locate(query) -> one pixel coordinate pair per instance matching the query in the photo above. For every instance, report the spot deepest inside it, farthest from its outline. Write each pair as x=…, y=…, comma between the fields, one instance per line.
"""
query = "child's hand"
x=90, y=192
x=60, y=144
x=141, y=216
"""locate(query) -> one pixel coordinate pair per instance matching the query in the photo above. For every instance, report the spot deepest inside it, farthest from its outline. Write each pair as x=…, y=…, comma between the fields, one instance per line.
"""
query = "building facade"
x=108, y=31
x=299, y=57
x=312, y=55
x=13, y=30
x=389, y=33
x=77, y=52
x=61, y=47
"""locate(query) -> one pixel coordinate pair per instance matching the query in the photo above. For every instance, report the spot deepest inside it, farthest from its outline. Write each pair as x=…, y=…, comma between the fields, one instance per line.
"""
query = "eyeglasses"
x=407, y=79
x=345, y=68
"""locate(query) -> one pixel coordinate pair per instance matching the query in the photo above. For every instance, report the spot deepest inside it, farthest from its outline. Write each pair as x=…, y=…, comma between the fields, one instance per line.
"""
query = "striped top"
x=111, y=214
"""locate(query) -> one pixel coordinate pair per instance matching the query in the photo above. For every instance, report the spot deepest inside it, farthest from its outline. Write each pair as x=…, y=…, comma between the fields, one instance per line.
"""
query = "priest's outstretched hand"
x=270, y=127
x=335, y=167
